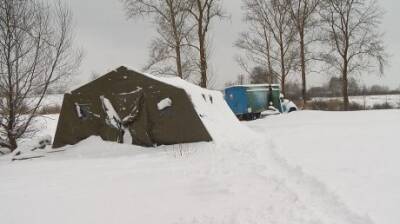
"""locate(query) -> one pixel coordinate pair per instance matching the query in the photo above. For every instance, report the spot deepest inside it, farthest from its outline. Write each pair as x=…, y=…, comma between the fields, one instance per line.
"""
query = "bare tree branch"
x=36, y=52
x=269, y=42
x=203, y=13
x=303, y=13
x=174, y=34
x=352, y=32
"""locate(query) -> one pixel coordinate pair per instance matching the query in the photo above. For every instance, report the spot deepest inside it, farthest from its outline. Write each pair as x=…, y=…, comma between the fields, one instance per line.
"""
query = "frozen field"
x=368, y=101
x=305, y=167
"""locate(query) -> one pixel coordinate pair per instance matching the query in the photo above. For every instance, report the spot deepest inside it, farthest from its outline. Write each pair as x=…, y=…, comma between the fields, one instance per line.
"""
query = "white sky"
x=109, y=40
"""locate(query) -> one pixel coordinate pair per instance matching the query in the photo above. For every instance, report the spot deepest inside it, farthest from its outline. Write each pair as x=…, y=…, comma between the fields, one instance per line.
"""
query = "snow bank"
x=4, y=151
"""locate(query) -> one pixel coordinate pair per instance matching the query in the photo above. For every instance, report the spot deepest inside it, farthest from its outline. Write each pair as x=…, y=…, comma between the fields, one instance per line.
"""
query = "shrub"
x=332, y=105
x=355, y=106
x=382, y=106
x=50, y=109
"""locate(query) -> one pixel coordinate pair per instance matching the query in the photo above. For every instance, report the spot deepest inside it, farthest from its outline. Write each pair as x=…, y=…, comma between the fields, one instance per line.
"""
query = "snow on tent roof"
x=209, y=104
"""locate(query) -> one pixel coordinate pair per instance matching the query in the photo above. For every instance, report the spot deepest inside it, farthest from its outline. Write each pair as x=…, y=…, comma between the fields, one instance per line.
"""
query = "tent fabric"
x=122, y=106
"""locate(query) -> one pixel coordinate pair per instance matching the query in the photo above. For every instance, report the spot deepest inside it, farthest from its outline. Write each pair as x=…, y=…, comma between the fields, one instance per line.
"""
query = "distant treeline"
x=333, y=88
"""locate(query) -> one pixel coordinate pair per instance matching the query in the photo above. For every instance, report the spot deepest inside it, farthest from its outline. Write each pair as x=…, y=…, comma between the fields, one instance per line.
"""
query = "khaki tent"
x=129, y=107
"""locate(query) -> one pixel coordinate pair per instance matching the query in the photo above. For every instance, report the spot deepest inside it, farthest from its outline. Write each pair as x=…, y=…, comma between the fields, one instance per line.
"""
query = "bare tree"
x=257, y=46
x=203, y=13
x=258, y=76
x=303, y=13
x=354, y=39
x=36, y=52
x=271, y=36
x=170, y=18
x=240, y=80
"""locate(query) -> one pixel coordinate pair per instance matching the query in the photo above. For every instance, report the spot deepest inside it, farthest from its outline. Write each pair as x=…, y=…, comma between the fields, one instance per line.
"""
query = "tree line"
x=284, y=39
x=333, y=89
x=339, y=38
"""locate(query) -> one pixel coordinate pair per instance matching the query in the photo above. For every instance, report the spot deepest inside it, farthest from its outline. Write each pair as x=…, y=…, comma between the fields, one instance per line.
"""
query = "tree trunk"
x=178, y=61
x=202, y=49
x=283, y=68
x=303, y=69
x=12, y=142
x=203, y=65
x=177, y=41
x=345, y=74
x=283, y=85
x=202, y=45
x=345, y=88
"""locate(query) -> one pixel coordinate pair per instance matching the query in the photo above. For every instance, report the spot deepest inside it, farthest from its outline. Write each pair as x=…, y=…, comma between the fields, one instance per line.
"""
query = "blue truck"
x=248, y=102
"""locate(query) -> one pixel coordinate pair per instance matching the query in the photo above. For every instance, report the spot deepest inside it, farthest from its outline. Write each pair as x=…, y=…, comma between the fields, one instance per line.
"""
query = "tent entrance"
x=126, y=112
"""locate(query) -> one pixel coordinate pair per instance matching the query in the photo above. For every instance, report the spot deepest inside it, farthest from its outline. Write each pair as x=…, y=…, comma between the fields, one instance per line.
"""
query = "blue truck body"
x=252, y=99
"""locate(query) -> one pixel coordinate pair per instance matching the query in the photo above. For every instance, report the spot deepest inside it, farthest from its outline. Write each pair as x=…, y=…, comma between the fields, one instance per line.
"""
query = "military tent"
x=126, y=106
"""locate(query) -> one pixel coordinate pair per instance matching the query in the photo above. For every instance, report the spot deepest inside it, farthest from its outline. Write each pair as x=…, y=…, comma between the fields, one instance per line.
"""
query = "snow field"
x=241, y=177
x=355, y=154
x=234, y=180
x=368, y=101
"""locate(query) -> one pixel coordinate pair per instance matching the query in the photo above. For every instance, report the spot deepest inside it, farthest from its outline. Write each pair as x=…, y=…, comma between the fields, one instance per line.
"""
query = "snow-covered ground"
x=50, y=100
x=304, y=167
x=356, y=154
x=368, y=101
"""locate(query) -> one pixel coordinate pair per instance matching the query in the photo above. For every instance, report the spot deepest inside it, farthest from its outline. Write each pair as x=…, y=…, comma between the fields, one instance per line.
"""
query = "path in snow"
x=238, y=179
x=354, y=153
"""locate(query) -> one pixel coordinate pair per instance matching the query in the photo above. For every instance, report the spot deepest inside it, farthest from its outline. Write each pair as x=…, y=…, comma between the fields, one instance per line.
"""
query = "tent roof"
x=169, y=80
x=209, y=104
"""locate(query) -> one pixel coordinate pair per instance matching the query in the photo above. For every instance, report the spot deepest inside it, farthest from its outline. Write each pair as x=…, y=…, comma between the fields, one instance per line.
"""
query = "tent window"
x=211, y=99
x=82, y=111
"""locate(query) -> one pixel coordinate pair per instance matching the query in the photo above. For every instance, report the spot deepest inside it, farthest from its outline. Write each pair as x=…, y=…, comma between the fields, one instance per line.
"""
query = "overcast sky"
x=109, y=40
